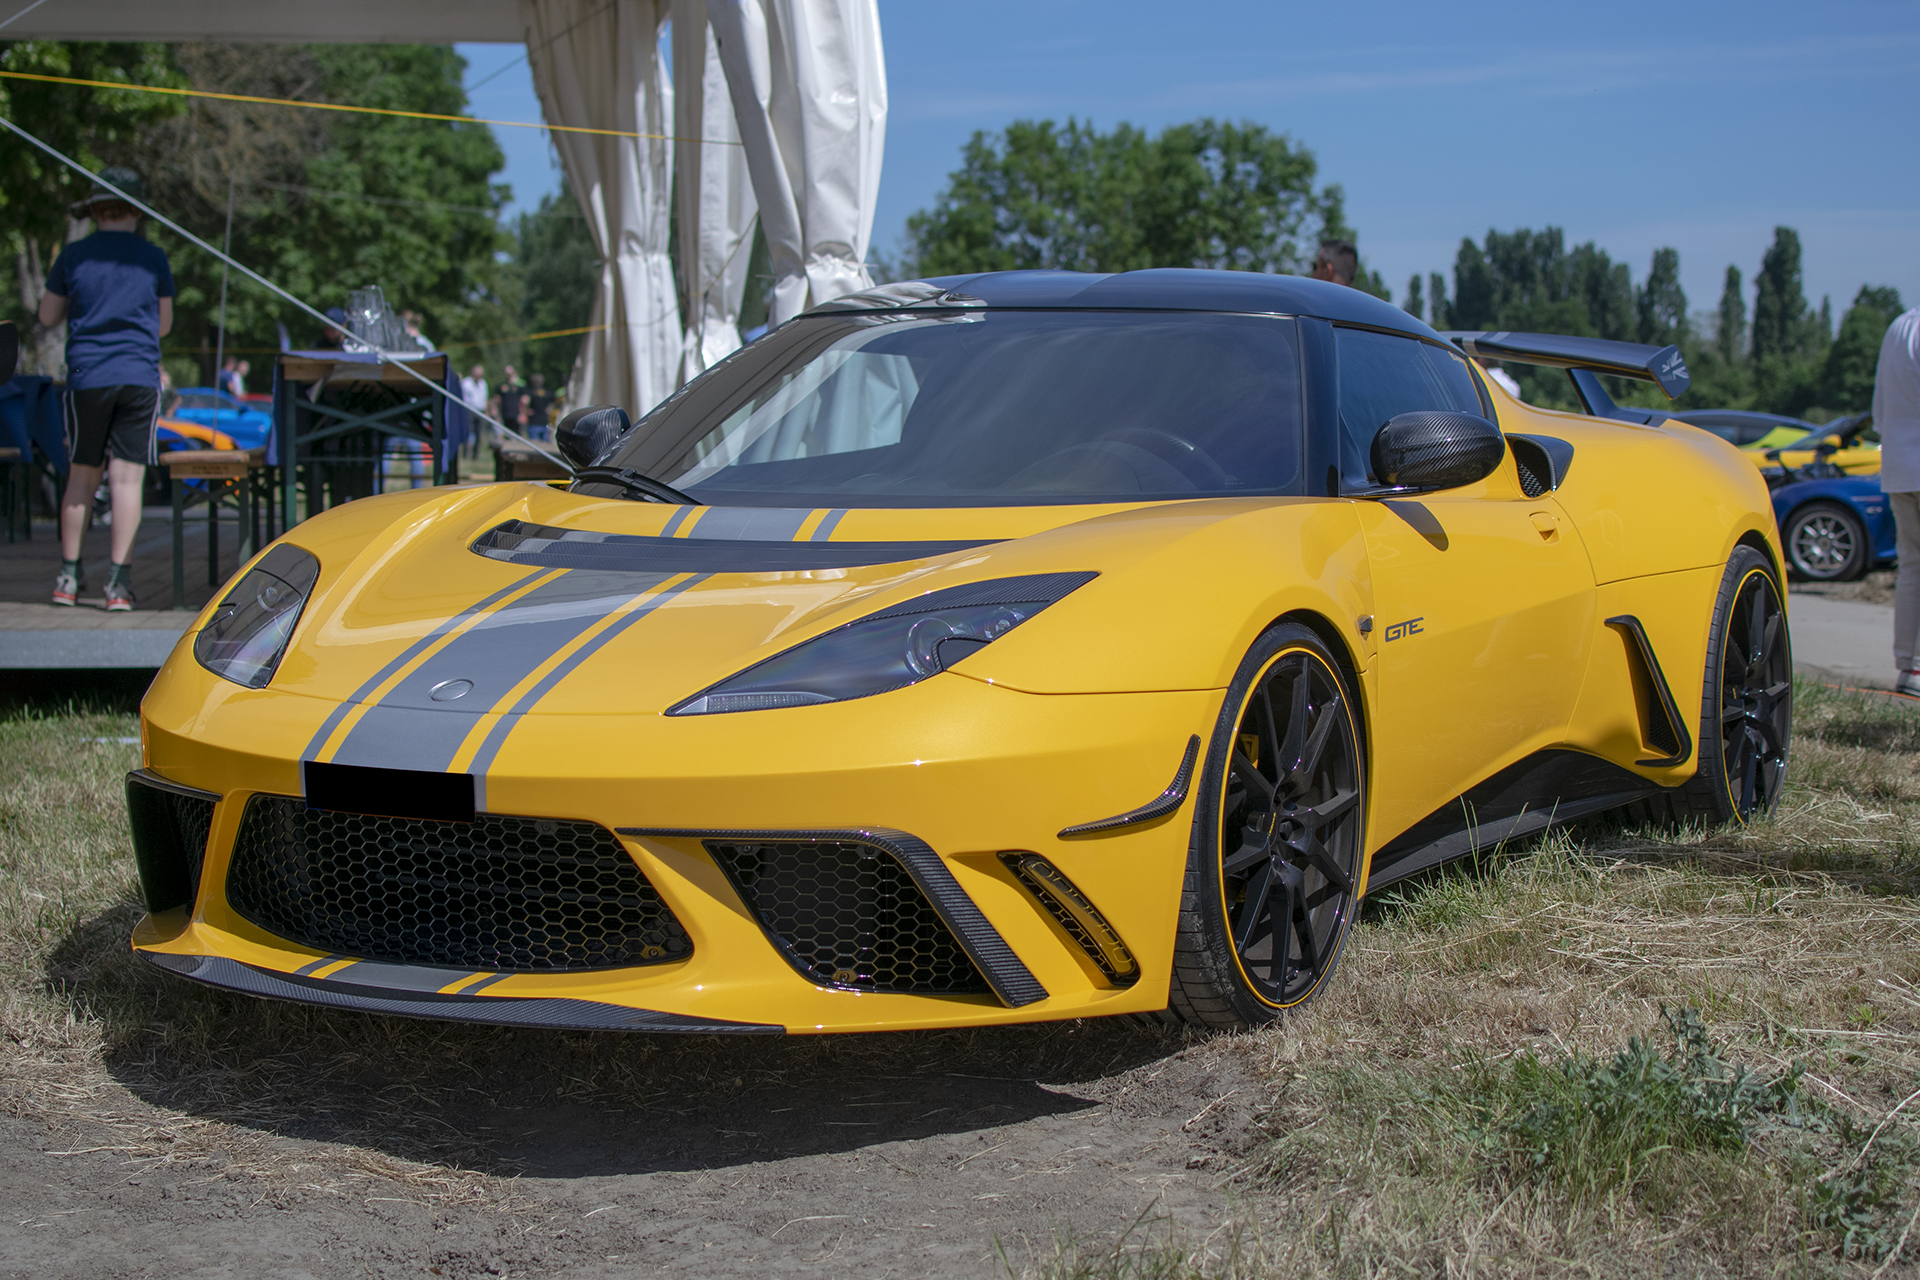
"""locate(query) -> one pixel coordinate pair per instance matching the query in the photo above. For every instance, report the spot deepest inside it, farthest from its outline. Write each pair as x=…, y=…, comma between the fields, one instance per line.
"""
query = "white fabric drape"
x=598, y=64
x=714, y=193
x=809, y=89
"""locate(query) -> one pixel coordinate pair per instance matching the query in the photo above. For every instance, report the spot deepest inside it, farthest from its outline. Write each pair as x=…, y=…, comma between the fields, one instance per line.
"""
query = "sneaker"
x=66, y=588
x=1907, y=683
x=119, y=597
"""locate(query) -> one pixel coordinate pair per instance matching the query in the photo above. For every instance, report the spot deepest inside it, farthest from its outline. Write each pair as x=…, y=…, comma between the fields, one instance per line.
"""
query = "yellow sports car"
x=968, y=651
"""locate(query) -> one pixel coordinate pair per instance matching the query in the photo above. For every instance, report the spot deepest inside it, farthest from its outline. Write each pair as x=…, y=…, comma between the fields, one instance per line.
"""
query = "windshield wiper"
x=633, y=482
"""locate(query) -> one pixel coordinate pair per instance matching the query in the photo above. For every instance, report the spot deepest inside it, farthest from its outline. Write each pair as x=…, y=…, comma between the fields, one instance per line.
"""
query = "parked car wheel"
x=1746, y=713
x=1826, y=542
x=1275, y=857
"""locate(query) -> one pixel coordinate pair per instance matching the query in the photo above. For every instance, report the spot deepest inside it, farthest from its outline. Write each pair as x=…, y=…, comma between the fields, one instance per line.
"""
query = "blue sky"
x=1632, y=125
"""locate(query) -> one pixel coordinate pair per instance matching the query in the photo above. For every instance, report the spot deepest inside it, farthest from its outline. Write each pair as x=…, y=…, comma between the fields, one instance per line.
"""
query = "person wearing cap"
x=114, y=289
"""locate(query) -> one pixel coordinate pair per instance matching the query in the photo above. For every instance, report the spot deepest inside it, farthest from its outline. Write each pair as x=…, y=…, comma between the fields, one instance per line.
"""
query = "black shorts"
x=116, y=422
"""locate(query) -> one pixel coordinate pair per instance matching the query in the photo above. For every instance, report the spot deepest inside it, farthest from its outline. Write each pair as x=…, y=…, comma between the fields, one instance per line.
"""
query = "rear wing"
x=1582, y=358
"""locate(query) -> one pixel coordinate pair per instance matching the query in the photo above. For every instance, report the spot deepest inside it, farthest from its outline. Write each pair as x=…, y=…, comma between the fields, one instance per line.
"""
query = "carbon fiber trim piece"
x=517, y=542
x=554, y=1013
x=1678, y=741
x=1167, y=802
x=1005, y=973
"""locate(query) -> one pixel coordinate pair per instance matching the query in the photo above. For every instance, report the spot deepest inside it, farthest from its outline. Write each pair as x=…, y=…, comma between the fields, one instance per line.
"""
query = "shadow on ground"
x=563, y=1104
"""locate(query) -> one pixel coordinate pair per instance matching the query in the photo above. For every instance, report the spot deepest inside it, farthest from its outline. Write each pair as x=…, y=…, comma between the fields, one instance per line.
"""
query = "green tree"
x=1205, y=194
x=1846, y=382
x=94, y=126
x=1789, y=347
x=1660, y=305
x=557, y=268
x=1730, y=334
x=1415, y=304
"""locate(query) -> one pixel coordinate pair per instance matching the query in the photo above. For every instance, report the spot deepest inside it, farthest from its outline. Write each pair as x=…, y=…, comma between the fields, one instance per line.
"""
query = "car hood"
x=522, y=599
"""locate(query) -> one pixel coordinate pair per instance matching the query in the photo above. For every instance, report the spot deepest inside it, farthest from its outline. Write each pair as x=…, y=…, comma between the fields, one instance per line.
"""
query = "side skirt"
x=1542, y=790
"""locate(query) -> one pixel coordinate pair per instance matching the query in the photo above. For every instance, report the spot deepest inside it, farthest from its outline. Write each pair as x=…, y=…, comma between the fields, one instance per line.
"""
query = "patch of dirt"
x=908, y=1155
x=1874, y=588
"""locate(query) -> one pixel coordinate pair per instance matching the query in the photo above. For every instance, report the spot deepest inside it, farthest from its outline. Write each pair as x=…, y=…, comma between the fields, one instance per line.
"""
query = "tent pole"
x=220, y=342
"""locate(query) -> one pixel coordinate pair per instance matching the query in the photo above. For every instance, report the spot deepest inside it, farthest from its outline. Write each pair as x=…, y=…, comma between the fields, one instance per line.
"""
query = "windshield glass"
x=984, y=408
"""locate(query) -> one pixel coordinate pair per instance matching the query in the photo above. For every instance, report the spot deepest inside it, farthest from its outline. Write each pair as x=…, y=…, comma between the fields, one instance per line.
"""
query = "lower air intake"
x=848, y=915
x=513, y=895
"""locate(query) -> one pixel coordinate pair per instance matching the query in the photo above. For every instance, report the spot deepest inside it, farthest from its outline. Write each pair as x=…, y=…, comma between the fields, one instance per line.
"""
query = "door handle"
x=1546, y=525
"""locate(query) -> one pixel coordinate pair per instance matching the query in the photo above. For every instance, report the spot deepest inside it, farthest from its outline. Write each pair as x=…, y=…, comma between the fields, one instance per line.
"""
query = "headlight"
x=887, y=650
x=248, y=633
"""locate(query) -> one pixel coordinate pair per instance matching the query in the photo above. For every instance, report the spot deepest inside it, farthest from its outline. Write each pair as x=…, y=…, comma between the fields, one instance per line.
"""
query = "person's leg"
x=1906, y=591
x=127, y=481
x=131, y=444
x=75, y=505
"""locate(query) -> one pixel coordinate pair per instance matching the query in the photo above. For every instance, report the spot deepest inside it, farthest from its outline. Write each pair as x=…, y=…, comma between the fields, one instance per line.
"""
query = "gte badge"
x=1401, y=630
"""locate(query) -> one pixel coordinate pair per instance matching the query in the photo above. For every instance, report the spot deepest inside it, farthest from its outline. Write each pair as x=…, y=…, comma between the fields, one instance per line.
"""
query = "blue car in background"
x=246, y=425
x=1834, y=528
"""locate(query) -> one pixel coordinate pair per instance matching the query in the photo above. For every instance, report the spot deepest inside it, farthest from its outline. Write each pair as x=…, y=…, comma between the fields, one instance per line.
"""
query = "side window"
x=1382, y=375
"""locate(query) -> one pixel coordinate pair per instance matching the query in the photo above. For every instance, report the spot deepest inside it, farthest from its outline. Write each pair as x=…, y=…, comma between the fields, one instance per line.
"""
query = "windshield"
x=984, y=408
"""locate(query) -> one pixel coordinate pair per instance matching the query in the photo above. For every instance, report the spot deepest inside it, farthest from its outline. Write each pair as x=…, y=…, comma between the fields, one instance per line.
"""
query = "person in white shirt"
x=473, y=392
x=1896, y=416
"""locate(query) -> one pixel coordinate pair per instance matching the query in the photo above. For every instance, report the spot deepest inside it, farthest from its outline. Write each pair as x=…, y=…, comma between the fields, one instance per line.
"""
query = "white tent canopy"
x=800, y=84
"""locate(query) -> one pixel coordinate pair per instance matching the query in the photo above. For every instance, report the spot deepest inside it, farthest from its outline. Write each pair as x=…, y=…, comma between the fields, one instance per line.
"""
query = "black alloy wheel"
x=1273, y=865
x=1756, y=696
x=1826, y=542
x=1746, y=712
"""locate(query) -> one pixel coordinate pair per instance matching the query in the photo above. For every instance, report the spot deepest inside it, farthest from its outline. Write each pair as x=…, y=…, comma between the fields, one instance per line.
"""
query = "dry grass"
x=1432, y=1116
x=1397, y=1097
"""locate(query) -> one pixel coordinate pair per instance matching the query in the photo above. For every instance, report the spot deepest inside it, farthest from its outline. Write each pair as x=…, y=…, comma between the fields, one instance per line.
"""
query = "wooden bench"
x=227, y=475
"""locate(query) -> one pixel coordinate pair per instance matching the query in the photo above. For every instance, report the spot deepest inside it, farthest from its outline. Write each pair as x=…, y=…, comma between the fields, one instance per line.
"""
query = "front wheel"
x=1273, y=865
x=1826, y=542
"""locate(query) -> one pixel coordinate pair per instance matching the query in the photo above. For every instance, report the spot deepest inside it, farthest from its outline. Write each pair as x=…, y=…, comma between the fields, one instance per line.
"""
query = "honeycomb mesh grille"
x=506, y=894
x=848, y=915
x=192, y=823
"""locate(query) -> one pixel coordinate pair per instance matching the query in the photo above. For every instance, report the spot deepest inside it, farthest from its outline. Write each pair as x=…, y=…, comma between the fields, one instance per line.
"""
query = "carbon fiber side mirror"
x=585, y=434
x=1436, y=449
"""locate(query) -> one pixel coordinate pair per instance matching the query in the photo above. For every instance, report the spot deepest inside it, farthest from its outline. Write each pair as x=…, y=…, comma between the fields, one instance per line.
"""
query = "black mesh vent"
x=848, y=915
x=1017, y=863
x=192, y=821
x=1531, y=483
x=506, y=894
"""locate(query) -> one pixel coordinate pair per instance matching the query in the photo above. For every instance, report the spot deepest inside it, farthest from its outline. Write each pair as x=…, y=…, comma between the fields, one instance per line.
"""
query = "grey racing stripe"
x=360, y=695
x=679, y=518
x=407, y=729
x=753, y=524
x=394, y=977
x=827, y=525
x=510, y=720
x=484, y=982
x=306, y=970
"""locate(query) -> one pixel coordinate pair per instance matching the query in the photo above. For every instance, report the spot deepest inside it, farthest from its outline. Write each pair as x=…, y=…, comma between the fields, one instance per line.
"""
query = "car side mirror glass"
x=1436, y=449
x=586, y=433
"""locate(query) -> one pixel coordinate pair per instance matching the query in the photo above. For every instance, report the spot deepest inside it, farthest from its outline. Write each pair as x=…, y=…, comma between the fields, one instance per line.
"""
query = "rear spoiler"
x=1662, y=366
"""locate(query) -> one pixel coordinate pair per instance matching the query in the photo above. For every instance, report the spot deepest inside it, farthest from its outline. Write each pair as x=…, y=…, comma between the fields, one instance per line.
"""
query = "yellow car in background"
x=963, y=652
x=1846, y=446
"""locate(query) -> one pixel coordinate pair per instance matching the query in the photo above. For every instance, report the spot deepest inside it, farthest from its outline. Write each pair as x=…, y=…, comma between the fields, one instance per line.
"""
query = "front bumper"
x=953, y=772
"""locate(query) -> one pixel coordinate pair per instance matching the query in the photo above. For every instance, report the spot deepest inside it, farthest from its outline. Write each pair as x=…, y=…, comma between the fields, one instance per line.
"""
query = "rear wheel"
x=1274, y=860
x=1826, y=542
x=1746, y=713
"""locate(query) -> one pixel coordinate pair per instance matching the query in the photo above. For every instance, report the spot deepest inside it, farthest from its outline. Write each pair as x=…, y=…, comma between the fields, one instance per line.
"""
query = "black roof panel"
x=1183, y=289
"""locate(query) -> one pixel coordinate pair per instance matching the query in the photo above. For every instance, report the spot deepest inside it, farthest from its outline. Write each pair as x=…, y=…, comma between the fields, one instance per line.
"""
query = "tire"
x=1746, y=707
x=1274, y=857
x=1826, y=542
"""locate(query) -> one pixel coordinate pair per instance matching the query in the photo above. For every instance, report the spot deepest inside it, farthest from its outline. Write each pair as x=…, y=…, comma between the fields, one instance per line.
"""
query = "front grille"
x=506, y=894
x=848, y=915
x=192, y=822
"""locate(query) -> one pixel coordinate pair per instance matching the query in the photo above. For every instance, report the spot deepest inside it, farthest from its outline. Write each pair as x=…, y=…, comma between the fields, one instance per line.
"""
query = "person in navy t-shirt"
x=115, y=291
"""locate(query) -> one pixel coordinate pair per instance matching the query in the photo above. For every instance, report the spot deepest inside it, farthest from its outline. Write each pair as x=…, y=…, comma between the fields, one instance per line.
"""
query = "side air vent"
x=1542, y=462
x=170, y=828
x=1661, y=725
x=1079, y=917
